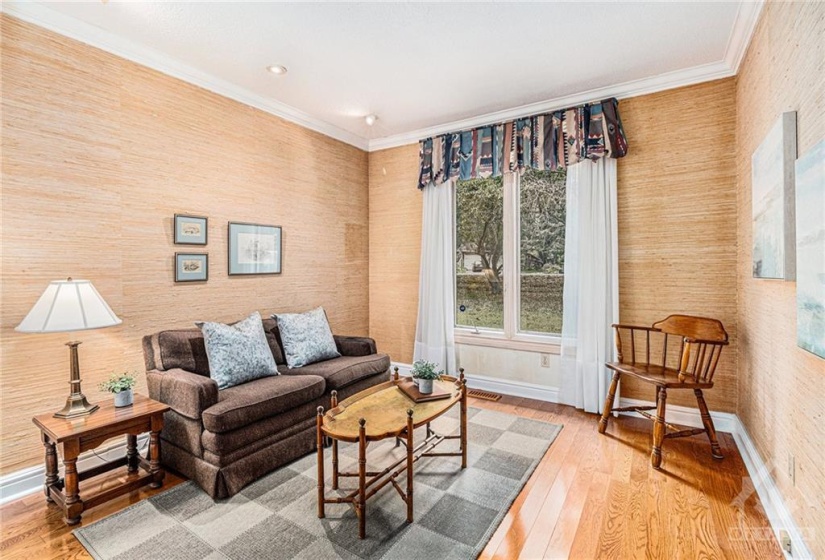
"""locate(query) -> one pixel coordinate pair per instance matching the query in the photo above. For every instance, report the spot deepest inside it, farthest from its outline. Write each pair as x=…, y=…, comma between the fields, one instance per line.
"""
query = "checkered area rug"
x=456, y=511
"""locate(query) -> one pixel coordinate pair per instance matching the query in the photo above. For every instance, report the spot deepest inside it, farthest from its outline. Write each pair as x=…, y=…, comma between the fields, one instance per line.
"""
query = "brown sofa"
x=223, y=440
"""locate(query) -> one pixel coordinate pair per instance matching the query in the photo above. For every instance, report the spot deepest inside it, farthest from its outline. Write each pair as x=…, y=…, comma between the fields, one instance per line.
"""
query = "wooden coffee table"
x=378, y=413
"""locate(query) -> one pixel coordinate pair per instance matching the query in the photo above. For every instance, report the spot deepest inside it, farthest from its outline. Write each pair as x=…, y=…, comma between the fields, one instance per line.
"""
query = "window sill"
x=522, y=342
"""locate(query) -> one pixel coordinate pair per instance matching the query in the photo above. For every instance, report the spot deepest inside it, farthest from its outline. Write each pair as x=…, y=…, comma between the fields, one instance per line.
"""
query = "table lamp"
x=70, y=305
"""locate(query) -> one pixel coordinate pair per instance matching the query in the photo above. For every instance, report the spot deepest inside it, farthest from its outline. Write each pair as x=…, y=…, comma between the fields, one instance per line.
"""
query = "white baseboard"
x=762, y=478
x=687, y=416
x=27, y=481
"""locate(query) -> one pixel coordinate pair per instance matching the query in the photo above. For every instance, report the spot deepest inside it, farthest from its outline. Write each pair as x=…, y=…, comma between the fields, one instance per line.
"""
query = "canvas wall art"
x=810, y=250
x=774, y=244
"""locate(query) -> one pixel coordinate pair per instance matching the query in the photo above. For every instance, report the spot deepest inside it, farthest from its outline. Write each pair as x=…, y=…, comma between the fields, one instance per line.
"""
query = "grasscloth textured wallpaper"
x=395, y=249
x=677, y=220
x=781, y=386
x=98, y=154
x=677, y=225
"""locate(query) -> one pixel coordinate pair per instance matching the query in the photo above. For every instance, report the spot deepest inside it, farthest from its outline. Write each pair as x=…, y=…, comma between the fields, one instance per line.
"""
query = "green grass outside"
x=541, y=298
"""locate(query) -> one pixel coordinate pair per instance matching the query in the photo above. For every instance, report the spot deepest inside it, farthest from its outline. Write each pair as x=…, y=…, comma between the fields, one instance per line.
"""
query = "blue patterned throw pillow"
x=306, y=337
x=237, y=353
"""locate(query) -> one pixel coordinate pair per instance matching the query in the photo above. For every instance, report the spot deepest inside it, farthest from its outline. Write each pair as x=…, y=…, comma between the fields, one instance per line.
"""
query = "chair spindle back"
x=701, y=340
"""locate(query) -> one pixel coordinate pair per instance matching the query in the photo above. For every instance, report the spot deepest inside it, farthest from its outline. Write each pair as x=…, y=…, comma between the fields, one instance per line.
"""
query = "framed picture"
x=190, y=230
x=810, y=250
x=772, y=184
x=191, y=267
x=254, y=249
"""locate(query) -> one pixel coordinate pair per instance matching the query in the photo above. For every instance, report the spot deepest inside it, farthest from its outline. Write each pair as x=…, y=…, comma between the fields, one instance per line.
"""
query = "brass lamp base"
x=76, y=403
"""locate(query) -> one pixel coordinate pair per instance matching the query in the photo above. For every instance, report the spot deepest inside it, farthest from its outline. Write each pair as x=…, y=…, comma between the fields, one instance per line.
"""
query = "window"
x=480, y=253
x=510, y=255
x=541, y=244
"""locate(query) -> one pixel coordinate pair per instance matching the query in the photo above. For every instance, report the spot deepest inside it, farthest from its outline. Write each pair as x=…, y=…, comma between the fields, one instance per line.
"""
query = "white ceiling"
x=420, y=67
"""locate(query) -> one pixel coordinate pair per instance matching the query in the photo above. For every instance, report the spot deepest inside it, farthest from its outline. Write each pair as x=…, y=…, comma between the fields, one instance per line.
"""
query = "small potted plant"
x=120, y=385
x=424, y=374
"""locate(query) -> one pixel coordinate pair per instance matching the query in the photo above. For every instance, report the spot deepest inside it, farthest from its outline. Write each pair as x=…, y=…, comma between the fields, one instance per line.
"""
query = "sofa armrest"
x=189, y=394
x=355, y=345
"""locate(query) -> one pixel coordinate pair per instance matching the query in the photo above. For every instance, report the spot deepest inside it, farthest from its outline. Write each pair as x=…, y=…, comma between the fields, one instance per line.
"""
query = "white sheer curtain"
x=591, y=283
x=434, y=339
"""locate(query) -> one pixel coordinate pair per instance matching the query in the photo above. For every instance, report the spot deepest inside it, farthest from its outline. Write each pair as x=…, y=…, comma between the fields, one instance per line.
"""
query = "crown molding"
x=662, y=82
x=740, y=35
x=744, y=25
x=53, y=20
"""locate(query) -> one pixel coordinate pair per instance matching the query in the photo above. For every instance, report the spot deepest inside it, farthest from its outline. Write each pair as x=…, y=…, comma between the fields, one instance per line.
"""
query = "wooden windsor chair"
x=700, y=341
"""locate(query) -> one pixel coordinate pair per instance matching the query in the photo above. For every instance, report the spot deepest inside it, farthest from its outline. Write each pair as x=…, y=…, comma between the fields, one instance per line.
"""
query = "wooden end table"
x=76, y=435
x=378, y=413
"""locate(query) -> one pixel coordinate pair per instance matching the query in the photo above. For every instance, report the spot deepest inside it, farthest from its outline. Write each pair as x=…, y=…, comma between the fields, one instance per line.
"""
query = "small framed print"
x=190, y=230
x=191, y=267
x=254, y=249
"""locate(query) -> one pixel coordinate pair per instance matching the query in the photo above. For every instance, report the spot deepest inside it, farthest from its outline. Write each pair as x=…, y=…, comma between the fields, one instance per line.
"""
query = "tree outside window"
x=480, y=275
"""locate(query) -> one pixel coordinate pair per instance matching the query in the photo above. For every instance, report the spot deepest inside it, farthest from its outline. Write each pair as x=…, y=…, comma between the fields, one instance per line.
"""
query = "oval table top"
x=384, y=407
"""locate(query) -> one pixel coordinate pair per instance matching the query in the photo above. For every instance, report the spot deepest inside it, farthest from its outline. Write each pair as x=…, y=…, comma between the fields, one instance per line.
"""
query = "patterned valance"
x=548, y=141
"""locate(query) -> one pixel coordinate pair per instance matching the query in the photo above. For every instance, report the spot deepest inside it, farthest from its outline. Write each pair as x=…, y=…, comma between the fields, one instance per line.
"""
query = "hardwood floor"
x=591, y=497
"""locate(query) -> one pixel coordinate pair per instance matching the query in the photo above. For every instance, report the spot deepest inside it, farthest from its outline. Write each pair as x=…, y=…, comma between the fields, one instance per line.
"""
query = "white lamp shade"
x=68, y=305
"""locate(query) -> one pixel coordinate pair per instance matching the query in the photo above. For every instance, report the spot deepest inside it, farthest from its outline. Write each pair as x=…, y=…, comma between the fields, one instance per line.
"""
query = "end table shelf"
x=77, y=435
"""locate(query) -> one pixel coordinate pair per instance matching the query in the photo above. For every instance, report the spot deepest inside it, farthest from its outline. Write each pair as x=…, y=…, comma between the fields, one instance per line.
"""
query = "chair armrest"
x=355, y=345
x=189, y=394
x=702, y=341
x=635, y=327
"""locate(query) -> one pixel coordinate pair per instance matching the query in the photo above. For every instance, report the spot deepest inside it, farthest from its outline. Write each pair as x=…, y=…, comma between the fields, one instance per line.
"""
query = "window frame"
x=511, y=337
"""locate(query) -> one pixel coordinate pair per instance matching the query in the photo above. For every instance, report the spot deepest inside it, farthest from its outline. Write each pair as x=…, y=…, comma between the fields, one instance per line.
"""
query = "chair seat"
x=658, y=375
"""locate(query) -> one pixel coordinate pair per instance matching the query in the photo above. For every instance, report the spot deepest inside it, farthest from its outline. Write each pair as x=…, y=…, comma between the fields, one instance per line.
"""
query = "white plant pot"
x=124, y=398
x=425, y=386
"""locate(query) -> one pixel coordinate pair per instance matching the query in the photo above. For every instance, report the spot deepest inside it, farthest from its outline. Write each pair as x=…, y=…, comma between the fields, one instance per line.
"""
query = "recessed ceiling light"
x=277, y=69
x=370, y=119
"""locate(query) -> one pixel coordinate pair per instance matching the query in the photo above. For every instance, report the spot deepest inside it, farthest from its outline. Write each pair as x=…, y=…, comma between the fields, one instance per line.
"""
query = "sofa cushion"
x=306, y=337
x=273, y=337
x=355, y=345
x=340, y=372
x=238, y=353
x=224, y=449
x=244, y=404
x=269, y=429
x=183, y=349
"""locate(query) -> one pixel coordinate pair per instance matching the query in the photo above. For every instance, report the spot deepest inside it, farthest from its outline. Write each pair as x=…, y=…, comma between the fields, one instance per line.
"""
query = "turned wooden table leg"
x=131, y=454
x=463, y=421
x=410, y=430
x=74, y=505
x=154, y=452
x=319, y=424
x=395, y=378
x=659, y=428
x=334, y=403
x=362, y=478
x=51, y=466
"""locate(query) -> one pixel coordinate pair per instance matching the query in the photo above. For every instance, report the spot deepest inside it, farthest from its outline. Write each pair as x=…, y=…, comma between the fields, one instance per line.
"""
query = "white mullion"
x=511, y=255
